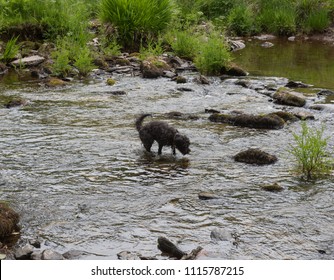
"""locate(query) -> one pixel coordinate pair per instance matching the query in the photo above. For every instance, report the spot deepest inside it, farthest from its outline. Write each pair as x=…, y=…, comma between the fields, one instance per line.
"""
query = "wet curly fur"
x=163, y=134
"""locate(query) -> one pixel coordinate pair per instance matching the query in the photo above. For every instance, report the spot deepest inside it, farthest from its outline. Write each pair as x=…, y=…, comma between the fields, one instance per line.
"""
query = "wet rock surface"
x=255, y=156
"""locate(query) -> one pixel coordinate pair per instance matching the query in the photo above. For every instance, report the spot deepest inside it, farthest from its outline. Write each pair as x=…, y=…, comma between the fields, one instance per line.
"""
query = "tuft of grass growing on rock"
x=310, y=152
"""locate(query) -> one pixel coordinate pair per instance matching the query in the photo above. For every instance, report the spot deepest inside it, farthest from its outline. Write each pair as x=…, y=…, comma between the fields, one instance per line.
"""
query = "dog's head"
x=182, y=143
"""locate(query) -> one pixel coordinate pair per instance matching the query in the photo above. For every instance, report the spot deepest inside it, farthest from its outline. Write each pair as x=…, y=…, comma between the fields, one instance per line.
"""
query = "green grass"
x=136, y=21
x=310, y=152
x=10, y=51
x=185, y=44
x=213, y=55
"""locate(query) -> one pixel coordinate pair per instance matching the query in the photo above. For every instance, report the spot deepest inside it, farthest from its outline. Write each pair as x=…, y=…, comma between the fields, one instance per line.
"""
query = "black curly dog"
x=163, y=133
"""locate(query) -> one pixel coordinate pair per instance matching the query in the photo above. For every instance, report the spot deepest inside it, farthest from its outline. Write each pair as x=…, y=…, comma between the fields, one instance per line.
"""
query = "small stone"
x=207, y=196
x=51, y=255
x=272, y=188
x=24, y=253
x=117, y=92
x=181, y=80
x=55, y=82
x=267, y=45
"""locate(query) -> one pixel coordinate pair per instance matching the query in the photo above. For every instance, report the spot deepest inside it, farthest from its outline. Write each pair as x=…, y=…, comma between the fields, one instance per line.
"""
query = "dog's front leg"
x=160, y=149
x=173, y=148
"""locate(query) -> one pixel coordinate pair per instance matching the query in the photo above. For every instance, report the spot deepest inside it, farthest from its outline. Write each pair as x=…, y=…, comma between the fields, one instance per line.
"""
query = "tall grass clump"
x=53, y=17
x=277, y=16
x=241, y=20
x=310, y=152
x=313, y=15
x=10, y=51
x=136, y=21
x=185, y=44
x=213, y=56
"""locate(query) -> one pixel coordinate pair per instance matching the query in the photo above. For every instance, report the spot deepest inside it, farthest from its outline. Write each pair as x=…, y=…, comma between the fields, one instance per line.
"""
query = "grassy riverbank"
x=183, y=27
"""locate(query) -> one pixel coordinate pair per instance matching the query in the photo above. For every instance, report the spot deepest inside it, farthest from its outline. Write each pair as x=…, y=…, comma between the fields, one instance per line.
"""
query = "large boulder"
x=269, y=121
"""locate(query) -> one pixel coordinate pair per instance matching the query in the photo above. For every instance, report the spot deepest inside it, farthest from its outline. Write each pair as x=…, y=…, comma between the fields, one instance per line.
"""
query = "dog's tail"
x=139, y=121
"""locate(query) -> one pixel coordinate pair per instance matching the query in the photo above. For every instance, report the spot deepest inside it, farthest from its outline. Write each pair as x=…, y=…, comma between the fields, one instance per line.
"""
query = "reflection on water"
x=311, y=62
x=72, y=163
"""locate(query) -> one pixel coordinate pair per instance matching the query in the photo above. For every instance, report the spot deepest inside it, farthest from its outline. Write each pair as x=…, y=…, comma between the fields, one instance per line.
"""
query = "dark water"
x=72, y=164
x=309, y=61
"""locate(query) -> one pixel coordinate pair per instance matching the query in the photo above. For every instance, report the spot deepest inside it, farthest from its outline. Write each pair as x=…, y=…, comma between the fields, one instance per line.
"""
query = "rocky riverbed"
x=72, y=165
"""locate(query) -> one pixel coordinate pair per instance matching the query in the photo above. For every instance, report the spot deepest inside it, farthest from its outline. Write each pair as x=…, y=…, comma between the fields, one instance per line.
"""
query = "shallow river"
x=73, y=166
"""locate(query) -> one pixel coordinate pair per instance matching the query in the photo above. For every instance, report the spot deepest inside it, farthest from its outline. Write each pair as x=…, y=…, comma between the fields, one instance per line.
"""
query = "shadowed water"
x=72, y=164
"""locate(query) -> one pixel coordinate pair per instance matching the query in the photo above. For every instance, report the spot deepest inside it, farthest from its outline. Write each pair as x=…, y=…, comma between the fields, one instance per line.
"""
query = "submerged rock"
x=269, y=121
x=297, y=84
x=255, y=156
x=272, y=188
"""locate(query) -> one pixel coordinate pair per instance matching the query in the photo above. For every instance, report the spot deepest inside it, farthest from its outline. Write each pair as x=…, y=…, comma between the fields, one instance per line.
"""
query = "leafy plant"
x=310, y=152
x=10, y=51
x=84, y=62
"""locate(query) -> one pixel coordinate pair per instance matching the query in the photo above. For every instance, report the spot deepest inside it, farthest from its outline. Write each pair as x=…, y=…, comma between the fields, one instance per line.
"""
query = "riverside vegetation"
x=172, y=25
x=193, y=30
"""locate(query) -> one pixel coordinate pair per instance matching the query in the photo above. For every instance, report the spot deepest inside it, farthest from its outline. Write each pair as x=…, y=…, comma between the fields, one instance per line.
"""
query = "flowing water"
x=73, y=166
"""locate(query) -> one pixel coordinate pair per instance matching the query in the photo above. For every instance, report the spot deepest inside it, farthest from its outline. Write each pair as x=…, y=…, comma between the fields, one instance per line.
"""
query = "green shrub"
x=135, y=21
x=10, y=51
x=185, y=44
x=317, y=21
x=61, y=66
x=84, y=62
x=241, y=20
x=213, y=56
x=310, y=152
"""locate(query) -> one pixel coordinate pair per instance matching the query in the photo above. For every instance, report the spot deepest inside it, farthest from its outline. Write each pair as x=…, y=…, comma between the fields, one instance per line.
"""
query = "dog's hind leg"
x=160, y=149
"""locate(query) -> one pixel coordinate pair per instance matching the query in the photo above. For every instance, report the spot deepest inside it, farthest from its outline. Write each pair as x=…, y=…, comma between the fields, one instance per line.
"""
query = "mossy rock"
x=255, y=156
x=268, y=121
x=234, y=70
x=55, y=82
x=286, y=116
x=111, y=82
x=181, y=80
x=284, y=97
x=9, y=220
x=153, y=67
x=12, y=101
